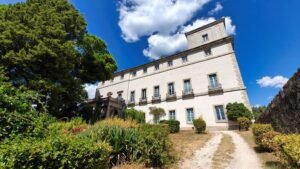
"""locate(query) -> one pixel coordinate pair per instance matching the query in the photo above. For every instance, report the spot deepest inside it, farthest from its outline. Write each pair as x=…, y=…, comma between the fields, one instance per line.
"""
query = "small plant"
x=268, y=140
x=157, y=113
x=200, y=125
x=174, y=125
x=258, y=131
x=244, y=123
x=236, y=110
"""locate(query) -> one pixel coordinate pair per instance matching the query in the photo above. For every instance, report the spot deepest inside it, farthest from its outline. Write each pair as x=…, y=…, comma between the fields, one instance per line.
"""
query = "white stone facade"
x=210, y=66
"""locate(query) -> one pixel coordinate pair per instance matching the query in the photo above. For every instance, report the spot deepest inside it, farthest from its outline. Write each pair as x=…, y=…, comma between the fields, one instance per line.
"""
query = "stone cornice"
x=178, y=55
x=169, y=69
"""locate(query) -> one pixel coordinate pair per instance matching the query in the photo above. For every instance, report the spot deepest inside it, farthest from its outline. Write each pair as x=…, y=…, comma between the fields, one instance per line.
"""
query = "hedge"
x=244, y=123
x=289, y=149
x=174, y=125
x=258, y=130
x=54, y=152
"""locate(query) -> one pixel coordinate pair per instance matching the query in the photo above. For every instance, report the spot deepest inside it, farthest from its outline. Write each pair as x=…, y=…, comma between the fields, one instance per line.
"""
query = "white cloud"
x=91, y=90
x=144, y=17
x=164, y=45
x=217, y=8
x=276, y=81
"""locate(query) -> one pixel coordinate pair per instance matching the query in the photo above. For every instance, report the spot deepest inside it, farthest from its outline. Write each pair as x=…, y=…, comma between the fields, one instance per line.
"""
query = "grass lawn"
x=267, y=158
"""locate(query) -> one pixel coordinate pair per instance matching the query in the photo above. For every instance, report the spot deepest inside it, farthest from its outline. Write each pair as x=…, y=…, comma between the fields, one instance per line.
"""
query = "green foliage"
x=45, y=47
x=153, y=145
x=146, y=143
x=257, y=111
x=200, y=125
x=288, y=149
x=236, y=110
x=29, y=124
x=244, y=123
x=258, y=131
x=157, y=113
x=136, y=115
x=174, y=125
x=54, y=152
x=268, y=140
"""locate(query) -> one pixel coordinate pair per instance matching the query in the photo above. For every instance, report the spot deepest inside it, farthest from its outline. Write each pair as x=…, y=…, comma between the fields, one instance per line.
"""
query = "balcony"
x=171, y=96
x=214, y=90
x=131, y=103
x=187, y=93
x=143, y=101
x=156, y=99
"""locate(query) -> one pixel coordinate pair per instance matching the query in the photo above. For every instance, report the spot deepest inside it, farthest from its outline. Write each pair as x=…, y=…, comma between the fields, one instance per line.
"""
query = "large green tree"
x=44, y=45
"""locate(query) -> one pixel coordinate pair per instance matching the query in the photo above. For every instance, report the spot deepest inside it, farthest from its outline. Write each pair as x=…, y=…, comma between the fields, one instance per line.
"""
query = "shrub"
x=54, y=152
x=200, y=125
x=143, y=143
x=244, y=123
x=236, y=110
x=72, y=127
x=27, y=124
x=153, y=146
x=258, y=130
x=268, y=140
x=174, y=125
x=133, y=114
x=288, y=149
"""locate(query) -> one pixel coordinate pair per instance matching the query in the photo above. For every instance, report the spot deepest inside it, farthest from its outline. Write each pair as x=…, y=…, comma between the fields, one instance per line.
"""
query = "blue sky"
x=267, y=36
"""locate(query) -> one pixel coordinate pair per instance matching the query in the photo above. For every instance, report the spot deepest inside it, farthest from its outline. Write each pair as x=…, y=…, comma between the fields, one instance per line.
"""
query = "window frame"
x=173, y=110
x=205, y=37
x=154, y=91
x=130, y=99
x=170, y=63
x=145, y=70
x=145, y=94
x=217, y=77
x=174, y=91
x=215, y=113
x=184, y=59
x=187, y=115
x=208, y=52
x=191, y=87
x=156, y=67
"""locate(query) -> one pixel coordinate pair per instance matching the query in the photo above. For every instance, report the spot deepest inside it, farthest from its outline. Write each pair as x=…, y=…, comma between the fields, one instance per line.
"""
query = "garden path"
x=243, y=156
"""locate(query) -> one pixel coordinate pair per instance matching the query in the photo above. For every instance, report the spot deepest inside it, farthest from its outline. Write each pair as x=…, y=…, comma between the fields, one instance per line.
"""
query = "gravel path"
x=243, y=157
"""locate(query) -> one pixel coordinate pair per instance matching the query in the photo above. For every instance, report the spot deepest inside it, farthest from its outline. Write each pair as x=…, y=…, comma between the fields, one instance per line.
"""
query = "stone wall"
x=284, y=110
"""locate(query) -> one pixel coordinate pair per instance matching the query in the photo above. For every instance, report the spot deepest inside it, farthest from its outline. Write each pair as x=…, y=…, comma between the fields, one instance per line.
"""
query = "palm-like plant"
x=157, y=112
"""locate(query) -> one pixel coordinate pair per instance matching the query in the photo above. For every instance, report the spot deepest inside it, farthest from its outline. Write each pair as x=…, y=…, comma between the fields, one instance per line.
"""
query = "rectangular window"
x=187, y=86
x=190, y=115
x=122, y=77
x=172, y=115
x=220, y=113
x=213, y=80
x=120, y=93
x=156, y=91
x=171, y=89
x=157, y=67
x=205, y=37
x=145, y=70
x=184, y=59
x=144, y=94
x=134, y=73
x=170, y=63
x=132, y=96
x=207, y=52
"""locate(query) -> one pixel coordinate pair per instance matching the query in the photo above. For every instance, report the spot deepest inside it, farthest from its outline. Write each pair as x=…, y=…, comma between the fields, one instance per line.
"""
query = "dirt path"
x=243, y=157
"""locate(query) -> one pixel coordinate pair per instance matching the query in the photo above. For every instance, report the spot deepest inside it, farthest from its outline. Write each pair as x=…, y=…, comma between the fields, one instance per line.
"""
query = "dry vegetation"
x=267, y=158
x=184, y=143
x=223, y=155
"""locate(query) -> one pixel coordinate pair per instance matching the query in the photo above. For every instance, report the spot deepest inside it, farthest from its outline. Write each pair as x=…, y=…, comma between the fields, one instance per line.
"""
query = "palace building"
x=198, y=82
